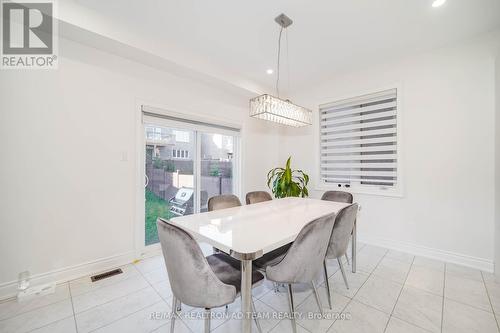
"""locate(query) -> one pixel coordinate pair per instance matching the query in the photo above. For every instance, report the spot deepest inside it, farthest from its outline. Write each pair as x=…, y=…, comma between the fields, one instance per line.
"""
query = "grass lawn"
x=155, y=207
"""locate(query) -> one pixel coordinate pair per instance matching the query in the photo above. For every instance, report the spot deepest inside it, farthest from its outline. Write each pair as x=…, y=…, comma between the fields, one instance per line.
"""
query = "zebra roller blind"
x=359, y=141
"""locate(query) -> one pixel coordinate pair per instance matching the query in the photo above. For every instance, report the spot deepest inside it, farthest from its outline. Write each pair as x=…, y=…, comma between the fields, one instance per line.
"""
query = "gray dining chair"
x=257, y=196
x=302, y=262
x=339, y=241
x=274, y=256
x=222, y=202
x=346, y=197
x=197, y=281
x=338, y=196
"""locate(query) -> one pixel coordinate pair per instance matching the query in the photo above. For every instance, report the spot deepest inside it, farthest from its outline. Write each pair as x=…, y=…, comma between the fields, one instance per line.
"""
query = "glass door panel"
x=170, y=181
x=216, y=166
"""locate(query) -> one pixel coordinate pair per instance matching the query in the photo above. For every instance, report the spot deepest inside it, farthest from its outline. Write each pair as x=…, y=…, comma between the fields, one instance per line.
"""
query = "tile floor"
x=391, y=292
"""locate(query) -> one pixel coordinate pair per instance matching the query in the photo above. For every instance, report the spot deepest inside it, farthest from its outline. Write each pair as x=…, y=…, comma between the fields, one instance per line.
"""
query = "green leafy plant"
x=169, y=166
x=285, y=182
x=214, y=170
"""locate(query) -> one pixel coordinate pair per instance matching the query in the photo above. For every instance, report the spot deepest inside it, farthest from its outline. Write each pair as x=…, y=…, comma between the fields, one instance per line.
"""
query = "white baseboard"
x=9, y=289
x=419, y=250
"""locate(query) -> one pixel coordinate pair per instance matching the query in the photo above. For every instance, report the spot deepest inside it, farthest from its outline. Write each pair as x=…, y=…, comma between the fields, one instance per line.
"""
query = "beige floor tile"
x=285, y=326
x=379, y=293
x=426, y=279
x=399, y=326
x=420, y=308
x=467, y=291
x=361, y=318
x=66, y=325
x=279, y=300
x=108, y=293
x=458, y=318
x=429, y=263
x=312, y=319
x=393, y=269
x=464, y=272
x=37, y=318
x=355, y=280
x=119, y=308
x=142, y=321
x=401, y=256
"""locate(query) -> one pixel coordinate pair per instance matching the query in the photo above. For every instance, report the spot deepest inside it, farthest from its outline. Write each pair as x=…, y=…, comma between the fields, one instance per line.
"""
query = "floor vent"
x=106, y=275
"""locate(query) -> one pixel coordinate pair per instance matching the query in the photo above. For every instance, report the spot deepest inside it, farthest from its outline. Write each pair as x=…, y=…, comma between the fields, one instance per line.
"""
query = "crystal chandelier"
x=273, y=108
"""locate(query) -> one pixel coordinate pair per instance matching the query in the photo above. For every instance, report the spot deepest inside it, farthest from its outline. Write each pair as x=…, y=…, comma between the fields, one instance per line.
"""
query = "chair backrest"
x=257, y=196
x=191, y=279
x=338, y=196
x=305, y=257
x=342, y=229
x=223, y=201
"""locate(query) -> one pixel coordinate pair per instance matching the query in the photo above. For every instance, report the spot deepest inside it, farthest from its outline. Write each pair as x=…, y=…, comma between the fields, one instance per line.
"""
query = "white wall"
x=447, y=210
x=66, y=197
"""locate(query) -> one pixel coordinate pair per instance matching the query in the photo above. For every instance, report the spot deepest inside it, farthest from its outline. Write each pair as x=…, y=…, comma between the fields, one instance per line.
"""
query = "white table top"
x=256, y=229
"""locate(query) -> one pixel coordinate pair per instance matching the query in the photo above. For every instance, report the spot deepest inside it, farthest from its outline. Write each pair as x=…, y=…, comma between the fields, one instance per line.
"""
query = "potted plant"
x=285, y=182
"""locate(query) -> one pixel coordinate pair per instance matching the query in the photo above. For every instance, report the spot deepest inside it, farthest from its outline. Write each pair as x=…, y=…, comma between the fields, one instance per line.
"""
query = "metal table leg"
x=246, y=295
x=353, y=248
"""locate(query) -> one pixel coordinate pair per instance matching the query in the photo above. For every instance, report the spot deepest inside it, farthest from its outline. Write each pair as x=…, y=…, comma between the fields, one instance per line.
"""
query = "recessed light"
x=269, y=71
x=438, y=3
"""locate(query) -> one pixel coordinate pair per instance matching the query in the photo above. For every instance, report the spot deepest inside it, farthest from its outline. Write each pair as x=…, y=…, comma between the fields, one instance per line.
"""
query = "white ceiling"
x=237, y=40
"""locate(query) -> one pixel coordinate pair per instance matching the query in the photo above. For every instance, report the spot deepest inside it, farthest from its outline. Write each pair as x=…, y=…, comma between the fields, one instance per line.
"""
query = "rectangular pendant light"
x=275, y=109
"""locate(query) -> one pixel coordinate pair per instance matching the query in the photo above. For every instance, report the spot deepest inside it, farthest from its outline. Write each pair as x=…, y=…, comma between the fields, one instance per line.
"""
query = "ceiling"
x=237, y=40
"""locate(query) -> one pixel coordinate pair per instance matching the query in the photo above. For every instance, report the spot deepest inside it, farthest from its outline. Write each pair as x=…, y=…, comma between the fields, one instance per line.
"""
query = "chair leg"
x=347, y=259
x=353, y=248
x=327, y=285
x=320, y=306
x=343, y=272
x=207, y=320
x=257, y=322
x=174, y=314
x=292, y=308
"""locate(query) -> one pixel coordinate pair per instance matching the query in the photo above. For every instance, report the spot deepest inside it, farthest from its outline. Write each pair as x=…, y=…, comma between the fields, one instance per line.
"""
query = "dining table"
x=248, y=232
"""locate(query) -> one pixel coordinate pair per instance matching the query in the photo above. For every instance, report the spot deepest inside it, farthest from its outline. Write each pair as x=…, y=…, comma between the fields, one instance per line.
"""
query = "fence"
x=165, y=184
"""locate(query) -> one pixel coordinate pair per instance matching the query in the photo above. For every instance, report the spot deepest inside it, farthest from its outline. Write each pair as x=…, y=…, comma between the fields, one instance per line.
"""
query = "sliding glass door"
x=169, y=170
x=217, y=166
x=185, y=165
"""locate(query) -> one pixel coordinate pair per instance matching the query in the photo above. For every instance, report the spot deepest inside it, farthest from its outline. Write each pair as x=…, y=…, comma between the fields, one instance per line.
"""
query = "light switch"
x=124, y=156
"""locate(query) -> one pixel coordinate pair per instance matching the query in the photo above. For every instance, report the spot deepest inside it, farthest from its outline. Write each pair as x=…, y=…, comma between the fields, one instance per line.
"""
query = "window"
x=180, y=153
x=181, y=136
x=358, y=142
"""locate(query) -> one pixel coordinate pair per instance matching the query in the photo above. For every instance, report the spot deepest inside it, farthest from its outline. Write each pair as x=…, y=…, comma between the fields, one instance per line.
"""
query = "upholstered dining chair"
x=274, y=256
x=339, y=241
x=346, y=197
x=338, y=196
x=302, y=262
x=197, y=281
x=222, y=202
x=257, y=196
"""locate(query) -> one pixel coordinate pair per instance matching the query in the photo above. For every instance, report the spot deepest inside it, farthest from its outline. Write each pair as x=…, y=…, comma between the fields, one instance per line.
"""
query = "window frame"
x=141, y=105
x=395, y=191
